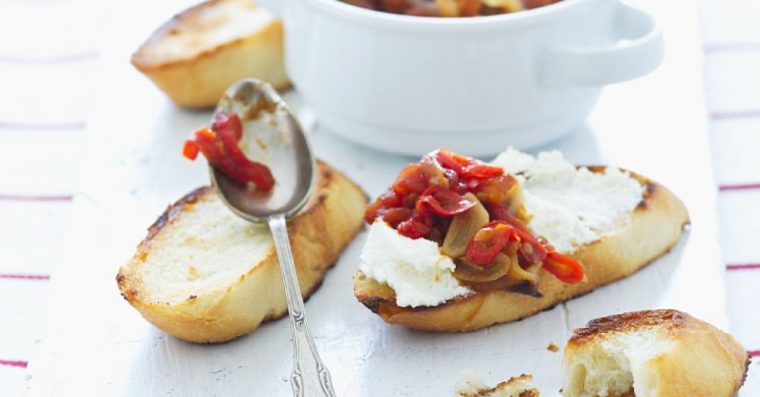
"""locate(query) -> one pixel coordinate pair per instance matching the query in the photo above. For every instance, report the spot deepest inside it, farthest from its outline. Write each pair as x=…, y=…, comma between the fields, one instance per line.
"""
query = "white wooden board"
x=97, y=345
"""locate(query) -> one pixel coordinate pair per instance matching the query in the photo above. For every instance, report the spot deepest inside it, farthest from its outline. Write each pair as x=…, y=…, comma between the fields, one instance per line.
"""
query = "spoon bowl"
x=273, y=136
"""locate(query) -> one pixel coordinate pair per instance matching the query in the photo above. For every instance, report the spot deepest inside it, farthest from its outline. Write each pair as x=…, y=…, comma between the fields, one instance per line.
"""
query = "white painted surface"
x=96, y=344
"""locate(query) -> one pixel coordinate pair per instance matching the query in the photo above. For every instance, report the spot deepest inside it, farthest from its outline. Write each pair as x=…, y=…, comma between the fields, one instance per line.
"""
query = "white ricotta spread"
x=571, y=206
x=415, y=269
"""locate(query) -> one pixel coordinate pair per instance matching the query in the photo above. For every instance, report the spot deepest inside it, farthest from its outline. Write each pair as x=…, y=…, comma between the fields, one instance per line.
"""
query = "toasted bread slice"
x=519, y=386
x=653, y=353
x=654, y=227
x=200, y=52
x=204, y=275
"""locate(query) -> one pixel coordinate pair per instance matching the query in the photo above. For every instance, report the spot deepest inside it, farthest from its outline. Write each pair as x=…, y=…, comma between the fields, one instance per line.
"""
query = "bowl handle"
x=637, y=51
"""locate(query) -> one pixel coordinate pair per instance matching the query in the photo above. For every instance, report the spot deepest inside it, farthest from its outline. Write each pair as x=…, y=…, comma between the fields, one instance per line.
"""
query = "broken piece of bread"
x=653, y=353
x=519, y=386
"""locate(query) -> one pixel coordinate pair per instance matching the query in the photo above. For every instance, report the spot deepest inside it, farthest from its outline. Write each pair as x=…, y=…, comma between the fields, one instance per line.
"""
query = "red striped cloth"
x=743, y=266
x=35, y=126
x=739, y=186
x=41, y=277
x=32, y=197
x=13, y=363
x=735, y=114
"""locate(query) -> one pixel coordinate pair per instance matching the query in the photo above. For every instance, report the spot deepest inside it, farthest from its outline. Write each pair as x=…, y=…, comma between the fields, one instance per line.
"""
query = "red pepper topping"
x=190, y=149
x=415, y=227
x=437, y=200
x=494, y=236
x=487, y=243
x=220, y=146
x=426, y=196
x=229, y=124
x=434, y=187
x=564, y=267
x=459, y=8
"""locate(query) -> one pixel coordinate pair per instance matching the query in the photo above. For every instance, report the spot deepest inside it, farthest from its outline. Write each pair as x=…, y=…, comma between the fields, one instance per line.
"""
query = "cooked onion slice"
x=469, y=272
x=463, y=227
x=518, y=275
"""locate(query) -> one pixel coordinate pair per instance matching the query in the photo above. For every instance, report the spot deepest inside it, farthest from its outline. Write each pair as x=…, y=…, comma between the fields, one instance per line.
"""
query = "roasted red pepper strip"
x=480, y=251
x=451, y=160
x=442, y=202
x=481, y=171
x=564, y=267
x=410, y=180
x=220, y=146
x=487, y=243
x=395, y=216
x=228, y=123
x=416, y=227
x=190, y=149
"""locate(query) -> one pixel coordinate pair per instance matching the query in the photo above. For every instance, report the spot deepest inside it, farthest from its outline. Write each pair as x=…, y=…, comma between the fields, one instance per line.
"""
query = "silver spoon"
x=273, y=136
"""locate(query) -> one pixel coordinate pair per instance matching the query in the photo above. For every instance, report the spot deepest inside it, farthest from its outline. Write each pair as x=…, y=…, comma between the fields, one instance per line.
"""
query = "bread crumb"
x=519, y=386
x=552, y=347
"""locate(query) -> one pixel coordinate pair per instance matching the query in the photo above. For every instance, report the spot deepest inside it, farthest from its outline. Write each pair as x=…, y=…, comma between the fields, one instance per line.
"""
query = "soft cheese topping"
x=571, y=206
x=415, y=269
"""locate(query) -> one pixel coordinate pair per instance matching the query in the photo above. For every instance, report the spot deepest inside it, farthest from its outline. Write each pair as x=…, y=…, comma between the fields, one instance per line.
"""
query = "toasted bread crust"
x=669, y=320
x=230, y=311
x=654, y=227
x=198, y=77
x=703, y=362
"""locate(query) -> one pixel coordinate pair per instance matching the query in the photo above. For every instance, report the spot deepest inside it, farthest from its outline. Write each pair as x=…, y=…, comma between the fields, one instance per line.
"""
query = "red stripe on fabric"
x=14, y=363
x=72, y=125
x=732, y=47
x=754, y=353
x=26, y=197
x=66, y=58
x=743, y=266
x=739, y=186
x=25, y=276
x=738, y=114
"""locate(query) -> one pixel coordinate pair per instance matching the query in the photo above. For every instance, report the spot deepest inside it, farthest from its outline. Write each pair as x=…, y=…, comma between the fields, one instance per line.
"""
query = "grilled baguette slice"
x=200, y=52
x=654, y=227
x=653, y=353
x=204, y=275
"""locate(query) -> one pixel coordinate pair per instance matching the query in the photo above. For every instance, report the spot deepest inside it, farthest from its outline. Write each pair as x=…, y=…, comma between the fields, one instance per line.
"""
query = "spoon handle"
x=308, y=368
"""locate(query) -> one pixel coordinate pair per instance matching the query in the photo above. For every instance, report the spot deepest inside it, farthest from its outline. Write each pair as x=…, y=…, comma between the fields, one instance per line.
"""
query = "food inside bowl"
x=450, y=8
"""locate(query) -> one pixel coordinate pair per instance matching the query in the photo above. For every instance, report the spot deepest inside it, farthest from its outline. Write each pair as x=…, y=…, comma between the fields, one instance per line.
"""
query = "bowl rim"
x=363, y=16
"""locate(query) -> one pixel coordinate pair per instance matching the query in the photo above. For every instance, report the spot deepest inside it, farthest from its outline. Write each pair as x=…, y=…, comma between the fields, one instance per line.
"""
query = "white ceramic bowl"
x=410, y=84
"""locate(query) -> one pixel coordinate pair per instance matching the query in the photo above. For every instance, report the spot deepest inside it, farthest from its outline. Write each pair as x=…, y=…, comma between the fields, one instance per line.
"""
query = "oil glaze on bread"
x=204, y=275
